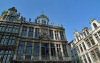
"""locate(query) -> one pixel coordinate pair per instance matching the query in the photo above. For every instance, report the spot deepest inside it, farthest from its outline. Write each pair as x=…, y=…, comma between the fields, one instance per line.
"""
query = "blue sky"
x=73, y=14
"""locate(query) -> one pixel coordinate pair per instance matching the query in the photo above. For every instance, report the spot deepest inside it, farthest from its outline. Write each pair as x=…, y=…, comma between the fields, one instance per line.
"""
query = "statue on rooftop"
x=11, y=14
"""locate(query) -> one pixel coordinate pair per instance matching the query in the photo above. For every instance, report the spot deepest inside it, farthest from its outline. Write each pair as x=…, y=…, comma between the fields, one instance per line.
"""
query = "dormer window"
x=94, y=24
x=43, y=22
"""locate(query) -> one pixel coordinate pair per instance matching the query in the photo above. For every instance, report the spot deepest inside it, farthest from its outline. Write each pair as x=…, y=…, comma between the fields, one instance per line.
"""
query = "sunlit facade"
x=24, y=41
x=85, y=47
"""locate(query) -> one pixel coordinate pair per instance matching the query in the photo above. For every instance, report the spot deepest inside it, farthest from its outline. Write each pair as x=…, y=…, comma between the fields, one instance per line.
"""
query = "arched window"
x=95, y=26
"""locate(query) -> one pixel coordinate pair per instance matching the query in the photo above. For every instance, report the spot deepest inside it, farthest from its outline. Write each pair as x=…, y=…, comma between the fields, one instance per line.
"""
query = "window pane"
x=24, y=31
x=9, y=28
x=4, y=40
x=11, y=40
x=44, y=49
x=30, y=33
x=15, y=29
x=65, y=50
x=28, y=50
x=37, y=33
x=2, y=28
x=51, y=34
x=21, y=47
x=53, y=52
x=36, y=49
x=29, y=44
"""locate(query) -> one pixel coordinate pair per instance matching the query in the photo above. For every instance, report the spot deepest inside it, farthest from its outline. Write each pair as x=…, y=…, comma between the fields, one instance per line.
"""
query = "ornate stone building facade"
x=23, y=41
x=85, y=47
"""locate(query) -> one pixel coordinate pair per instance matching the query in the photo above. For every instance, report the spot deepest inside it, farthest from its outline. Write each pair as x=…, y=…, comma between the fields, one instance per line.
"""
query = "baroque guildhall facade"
x=23, y=41
x=85, y=48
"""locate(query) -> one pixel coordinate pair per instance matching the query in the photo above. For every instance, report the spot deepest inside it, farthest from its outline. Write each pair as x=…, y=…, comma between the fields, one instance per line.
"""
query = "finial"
x=29, y=19
x=92, y=19
x=42, y=13
x=75, y=30
x=61, y=25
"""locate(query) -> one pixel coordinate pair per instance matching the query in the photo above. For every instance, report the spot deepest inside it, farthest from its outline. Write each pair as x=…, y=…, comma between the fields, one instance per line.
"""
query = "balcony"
x=37, y=58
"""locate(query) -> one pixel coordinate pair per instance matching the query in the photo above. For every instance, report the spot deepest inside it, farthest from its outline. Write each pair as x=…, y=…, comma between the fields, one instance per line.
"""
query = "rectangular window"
x=81, y=47
x=1, y=53
x=36, y=49
x=96, y=36
x=2, y=28
x=88, y=43
x=51, y=34
x=21, y=47
x=53, y=52
x=84, y=34
x=29, y=48
x=11, y=40
x=30, y=33
x=4, y=40
x=8, y=28
x=78, y=49
x=84, y=59
x=61, y=35
x=37, y=33
x=92, y=41
x=84, y=46
x=65, y=50
x=45, y=50
x=88, y=58
x=97, y=52
x=59, y=51
x=56, y=35
x=93, y=56
x=15, y=29
x=24, y=31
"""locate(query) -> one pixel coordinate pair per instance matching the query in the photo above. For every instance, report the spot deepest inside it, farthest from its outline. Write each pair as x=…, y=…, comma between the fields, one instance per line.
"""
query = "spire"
x=42, y=13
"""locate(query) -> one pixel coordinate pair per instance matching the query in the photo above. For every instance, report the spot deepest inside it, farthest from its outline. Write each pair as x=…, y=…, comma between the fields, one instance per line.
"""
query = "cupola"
x=42, y=19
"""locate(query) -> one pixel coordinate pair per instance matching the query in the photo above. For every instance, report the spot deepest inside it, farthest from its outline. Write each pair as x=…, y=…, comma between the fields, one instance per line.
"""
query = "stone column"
x=59, y=35
x=27, y=31
x=90, y=41
x=50, y=50
x=86, y=58
x=34, y=33
x=56, y=52
x=83, y=59
x=24, y=51
x=82, y=47
x=90, y=57
x=40, y=51
x=32, y=50
x=85, y=44
x=94, y=38
x=62, y=51
x=20, y=31
x=54, y=34
x=96, y=56
x=86, y=33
